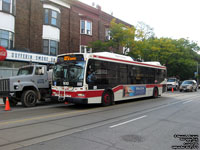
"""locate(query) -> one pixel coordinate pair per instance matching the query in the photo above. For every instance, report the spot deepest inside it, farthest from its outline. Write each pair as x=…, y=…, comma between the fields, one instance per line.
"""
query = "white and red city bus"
x=105, y=77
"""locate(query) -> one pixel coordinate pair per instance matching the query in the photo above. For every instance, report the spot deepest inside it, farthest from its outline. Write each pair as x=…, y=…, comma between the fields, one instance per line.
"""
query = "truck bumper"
x=5, y=94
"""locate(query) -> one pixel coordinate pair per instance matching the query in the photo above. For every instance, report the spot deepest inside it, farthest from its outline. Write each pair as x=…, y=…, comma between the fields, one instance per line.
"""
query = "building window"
x=6, y=39
x=86, y=27
x=54, y=18
x=107, y=33
x=14, y=7
x=6, y=5
x=51, y=17
x=85, y=49
x=82, y=26
x=46, y=16
x=50, y=47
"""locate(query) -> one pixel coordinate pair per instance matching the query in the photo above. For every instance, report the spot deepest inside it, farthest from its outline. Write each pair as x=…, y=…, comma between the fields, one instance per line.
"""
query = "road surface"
x=168, y=122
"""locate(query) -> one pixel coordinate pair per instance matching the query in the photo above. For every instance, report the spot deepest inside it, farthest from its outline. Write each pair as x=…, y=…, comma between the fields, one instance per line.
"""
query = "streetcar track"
x=88, y=124
x=65, y=130
x=68, y=117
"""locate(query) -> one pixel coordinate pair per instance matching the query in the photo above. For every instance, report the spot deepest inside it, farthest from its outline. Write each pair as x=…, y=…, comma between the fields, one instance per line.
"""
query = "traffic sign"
x=3, y=53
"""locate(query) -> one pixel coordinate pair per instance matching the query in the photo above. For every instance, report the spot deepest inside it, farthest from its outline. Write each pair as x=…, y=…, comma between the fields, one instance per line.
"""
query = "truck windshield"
x=25, y=71
x=69, y=73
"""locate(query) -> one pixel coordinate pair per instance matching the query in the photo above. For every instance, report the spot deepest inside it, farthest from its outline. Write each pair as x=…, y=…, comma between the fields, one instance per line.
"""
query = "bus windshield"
x=69, y=73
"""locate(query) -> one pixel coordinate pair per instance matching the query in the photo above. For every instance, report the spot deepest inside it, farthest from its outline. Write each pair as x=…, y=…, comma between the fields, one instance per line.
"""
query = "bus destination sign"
x=69, y=58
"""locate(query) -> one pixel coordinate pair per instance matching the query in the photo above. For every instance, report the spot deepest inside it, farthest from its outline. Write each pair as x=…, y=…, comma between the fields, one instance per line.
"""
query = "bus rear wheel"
x=155, y=92
x=106, y=99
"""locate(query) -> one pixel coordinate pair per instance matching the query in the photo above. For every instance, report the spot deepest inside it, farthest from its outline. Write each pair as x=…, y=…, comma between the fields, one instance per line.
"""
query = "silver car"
x=188, y=85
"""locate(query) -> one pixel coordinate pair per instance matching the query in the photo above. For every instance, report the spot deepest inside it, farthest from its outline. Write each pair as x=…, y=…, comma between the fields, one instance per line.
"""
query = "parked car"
x=172, y=83
x=188, y=85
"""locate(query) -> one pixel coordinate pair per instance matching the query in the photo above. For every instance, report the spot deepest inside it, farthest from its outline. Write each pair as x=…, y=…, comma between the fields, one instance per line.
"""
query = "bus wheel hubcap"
x=106, y=98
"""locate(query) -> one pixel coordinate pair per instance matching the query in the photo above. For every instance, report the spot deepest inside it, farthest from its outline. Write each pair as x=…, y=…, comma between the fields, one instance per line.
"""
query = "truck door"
x=41, y=77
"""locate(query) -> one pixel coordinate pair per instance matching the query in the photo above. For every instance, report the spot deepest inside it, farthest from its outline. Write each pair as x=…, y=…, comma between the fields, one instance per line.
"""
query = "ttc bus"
x=104, y=78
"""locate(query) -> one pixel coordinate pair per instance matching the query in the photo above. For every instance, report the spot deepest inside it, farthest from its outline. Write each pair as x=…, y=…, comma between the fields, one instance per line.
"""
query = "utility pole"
x=197, y=73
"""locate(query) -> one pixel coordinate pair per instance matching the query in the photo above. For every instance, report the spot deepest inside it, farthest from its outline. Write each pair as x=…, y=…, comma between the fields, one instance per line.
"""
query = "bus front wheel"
x=106, y=99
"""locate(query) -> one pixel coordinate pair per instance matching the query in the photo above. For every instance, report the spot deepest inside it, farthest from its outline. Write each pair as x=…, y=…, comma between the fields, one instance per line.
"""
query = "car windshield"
x=25, y=71
x=171, y=80
x=187, y=82
x=69, y=72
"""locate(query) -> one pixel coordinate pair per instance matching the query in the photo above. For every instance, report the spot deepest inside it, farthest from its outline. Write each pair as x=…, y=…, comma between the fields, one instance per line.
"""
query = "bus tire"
x=155, y=92
x=107, y=98
x=29, y=98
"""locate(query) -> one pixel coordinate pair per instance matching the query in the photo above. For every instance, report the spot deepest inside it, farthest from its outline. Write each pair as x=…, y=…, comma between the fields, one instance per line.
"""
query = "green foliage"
x=99, y=46
x=121, y=36
x=179, y=56
x=144, y=31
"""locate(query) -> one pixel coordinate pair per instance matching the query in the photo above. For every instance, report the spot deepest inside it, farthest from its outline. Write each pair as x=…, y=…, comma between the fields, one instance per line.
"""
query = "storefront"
x=15, y=59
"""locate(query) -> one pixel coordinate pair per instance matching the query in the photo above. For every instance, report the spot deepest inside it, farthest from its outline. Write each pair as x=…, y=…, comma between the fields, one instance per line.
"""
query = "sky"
x=169, y=18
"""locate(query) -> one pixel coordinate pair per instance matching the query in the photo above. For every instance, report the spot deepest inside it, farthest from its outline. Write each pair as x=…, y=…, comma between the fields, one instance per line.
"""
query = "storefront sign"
x=30, y=57
x=3, y=53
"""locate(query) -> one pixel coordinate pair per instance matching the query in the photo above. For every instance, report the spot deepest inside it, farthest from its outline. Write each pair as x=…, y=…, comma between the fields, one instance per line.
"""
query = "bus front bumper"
x=77, y=100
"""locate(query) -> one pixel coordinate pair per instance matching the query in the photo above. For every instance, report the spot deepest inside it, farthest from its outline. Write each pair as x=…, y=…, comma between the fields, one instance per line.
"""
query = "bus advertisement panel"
x=134, y=91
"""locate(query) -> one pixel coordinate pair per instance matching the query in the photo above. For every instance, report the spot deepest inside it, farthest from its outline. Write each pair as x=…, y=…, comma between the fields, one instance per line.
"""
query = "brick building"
x=38, y=30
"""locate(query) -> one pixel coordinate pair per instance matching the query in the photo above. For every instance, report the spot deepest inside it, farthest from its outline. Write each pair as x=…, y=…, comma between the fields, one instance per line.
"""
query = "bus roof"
x=126, y=59
x=119, y=58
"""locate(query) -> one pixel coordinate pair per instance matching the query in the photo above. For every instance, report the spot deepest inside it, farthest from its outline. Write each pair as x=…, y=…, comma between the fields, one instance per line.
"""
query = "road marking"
x=128, y=121
x=188, y=101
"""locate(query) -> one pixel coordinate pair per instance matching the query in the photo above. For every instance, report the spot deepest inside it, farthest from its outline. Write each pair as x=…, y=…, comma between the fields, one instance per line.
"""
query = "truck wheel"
x=106, y=99
x=29, y=98
x=12, y=101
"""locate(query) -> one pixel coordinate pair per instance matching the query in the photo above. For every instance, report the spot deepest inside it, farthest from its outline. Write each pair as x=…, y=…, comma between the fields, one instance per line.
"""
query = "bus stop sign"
x=3, y=53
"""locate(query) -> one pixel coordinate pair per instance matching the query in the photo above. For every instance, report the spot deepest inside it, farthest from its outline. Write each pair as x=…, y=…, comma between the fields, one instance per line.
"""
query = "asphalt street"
x=168, y=122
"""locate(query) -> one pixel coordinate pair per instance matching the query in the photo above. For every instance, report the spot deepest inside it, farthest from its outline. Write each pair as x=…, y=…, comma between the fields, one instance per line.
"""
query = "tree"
x=144, y=31
x=179, y=56
x=121, y=36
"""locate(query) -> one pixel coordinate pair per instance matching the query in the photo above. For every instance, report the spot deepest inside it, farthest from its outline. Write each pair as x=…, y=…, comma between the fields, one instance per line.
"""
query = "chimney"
x=98, y=7
x=93, y=4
